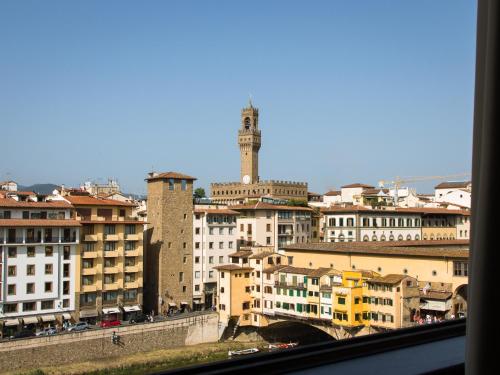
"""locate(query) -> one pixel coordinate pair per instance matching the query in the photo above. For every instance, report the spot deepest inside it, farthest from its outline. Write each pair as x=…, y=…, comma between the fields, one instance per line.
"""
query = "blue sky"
x=348, y=91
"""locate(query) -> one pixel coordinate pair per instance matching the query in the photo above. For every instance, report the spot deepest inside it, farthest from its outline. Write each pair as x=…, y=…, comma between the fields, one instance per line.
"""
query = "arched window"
x=400, y=237
x=391, y=237
x=417, y=237
x=374, y=238
x=425, y=237
x=408, y=237
x=432, y=237
x=365, y=238
x=247, y=123
x=382, y=238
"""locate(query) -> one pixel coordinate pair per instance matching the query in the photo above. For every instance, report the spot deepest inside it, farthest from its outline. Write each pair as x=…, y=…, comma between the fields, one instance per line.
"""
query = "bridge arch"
x=460, y=301
x=295, y=331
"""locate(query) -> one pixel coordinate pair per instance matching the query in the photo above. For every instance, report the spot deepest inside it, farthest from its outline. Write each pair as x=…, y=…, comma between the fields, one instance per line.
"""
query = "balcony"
x=34, y=239
x=89, y=271
x=89, y=254
x=111, y=237
x=285, y=284
x=90, y=238
x=111, y=286
x=111, y=254
x=131, y=268
x=15, y=240
x=132, y=237
x=89, y=288
x=131, y=285
x=110, y=269
x=52, y=239
x=132, y=253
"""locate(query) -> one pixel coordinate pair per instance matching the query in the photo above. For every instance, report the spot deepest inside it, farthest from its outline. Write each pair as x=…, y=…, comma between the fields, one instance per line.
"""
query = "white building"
x=348, y=192
x=458, y=193
x=332, y=197
x=8, y=185
x=38, y=251
x=214, y=238
x=358, y=223
x=265, y=224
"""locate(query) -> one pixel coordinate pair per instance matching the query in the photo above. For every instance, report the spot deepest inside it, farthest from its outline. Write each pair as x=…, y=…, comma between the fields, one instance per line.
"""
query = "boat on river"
x=234, y=353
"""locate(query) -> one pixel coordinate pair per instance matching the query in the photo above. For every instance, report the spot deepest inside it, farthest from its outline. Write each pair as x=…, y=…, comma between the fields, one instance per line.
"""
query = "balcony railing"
x=15, y=240
x=290, y=285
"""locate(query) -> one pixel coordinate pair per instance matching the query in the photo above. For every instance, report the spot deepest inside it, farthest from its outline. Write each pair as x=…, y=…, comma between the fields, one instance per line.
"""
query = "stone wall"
x=96, y=344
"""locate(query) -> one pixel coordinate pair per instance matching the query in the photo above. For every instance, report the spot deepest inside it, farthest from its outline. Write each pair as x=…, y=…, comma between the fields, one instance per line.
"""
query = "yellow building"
x=348, y=298
x=109, y=280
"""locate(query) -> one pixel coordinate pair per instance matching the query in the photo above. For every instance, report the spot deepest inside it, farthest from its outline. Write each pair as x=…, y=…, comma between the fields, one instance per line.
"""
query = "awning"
x=11, y=322
x=48, y=318
x=88, y=313
x=131, y=308
x=172, y=304
x=66, y=316
x=30, y=320
x=112, y=310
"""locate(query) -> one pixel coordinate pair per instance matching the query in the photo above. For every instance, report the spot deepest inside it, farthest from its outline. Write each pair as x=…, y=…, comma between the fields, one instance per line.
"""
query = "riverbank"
x=149, y=362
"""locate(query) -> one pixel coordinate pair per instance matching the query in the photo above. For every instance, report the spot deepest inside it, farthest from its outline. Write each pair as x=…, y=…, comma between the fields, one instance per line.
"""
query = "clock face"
x=246, y=179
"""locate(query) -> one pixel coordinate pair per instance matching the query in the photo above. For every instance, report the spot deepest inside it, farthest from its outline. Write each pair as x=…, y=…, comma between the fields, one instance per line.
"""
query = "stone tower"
x=169, y=255
x=249, y=141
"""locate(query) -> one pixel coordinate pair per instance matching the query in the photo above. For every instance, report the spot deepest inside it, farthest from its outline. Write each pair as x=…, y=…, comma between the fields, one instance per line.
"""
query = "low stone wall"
x=97, y=344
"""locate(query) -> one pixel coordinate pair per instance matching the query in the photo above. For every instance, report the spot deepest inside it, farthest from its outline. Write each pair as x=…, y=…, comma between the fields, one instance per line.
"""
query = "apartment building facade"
x=214, y=238
x=265, y=224
x=38, y=264
x=360, y=223
x=110, y=262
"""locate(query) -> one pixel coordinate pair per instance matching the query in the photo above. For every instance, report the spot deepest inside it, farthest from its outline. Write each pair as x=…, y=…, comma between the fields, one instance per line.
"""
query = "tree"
x=199, y=193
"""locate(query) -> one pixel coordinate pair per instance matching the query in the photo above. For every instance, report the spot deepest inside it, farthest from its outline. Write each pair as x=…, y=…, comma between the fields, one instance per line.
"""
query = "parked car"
x=23, y=334
x=47, y=331
x=110, y=323
x=139, y=318
x=80, y=326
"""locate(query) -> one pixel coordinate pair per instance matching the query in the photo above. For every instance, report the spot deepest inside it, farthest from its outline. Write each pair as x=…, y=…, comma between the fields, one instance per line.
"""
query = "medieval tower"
x=249, y=141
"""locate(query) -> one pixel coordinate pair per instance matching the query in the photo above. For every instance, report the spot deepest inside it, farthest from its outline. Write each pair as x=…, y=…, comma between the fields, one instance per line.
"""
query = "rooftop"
x=426, y=249
x=357, y=185
x=395, y=210
x=175, y=175
x=12, y=203
x=269, y=206
x=452, y=185
x=388, y=279
x=85, y=200
x=38, y=223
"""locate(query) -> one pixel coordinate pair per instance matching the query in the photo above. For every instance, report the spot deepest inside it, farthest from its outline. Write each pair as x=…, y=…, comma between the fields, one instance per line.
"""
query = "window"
x=183, y=185
x=30, y=288
x=196, y=274
x=66, y=252
x=48, y=287
x=30, y=252
x=181, y=276
x=171, y=184
x=87, y=280
x=11, y=271
x=11, y=289
x=12, y=252
x=48, y=269
x=29, y=306
x=460, y=268
x=109, y=246
x=49, y=251
x=65, y=287
x=30, y=270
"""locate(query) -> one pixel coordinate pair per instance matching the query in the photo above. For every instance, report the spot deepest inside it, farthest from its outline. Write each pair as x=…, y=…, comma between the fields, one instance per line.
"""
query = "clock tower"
x=249, y=141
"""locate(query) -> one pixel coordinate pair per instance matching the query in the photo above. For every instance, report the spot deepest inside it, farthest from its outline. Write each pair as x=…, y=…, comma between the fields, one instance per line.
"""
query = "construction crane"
x=396, y=183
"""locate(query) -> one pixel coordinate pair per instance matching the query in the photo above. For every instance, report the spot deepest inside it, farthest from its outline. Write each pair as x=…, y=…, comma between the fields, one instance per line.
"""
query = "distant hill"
x=38, y=188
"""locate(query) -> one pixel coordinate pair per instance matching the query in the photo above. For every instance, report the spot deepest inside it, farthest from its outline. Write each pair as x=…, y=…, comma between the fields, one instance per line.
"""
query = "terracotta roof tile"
x=452, y=185
x=85, y=200
x=232, y=267
x=388, y=279
x=333, y=193
x=174, y=175
x=430, y=249
x=216, y=211
x=268, y=206
x=11, y=203
x=357, y=185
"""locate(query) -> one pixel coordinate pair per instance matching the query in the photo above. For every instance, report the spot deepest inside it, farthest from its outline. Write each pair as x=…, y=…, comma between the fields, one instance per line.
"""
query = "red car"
x=110, y=323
